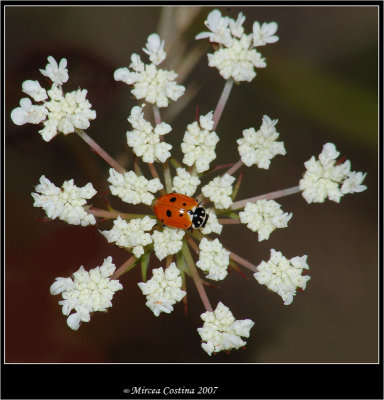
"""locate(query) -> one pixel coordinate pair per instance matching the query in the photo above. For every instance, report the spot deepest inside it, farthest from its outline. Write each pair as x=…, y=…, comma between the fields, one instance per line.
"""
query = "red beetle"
x=180, y=211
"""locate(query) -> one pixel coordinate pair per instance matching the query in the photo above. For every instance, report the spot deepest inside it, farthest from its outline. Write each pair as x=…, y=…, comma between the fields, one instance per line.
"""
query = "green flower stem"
x=224, y=221
x=136, y=166
x=194, y=246
x=125, y=267
x=218, y=167
x=222, y=102
x=98, y=212
x=167, y=177
x=242, y=262
x=155, y=175
x=195, y=276
x=166, y=170
x=175, y=163
x=237, y=186
x=169, y=260
x=234, y=168
x=267, y=196
x=98, y=150
x=192, y=170
x=197, y=235
x=156, y=114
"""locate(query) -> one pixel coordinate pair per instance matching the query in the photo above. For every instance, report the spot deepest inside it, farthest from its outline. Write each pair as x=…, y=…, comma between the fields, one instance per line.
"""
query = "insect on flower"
x=180, y=211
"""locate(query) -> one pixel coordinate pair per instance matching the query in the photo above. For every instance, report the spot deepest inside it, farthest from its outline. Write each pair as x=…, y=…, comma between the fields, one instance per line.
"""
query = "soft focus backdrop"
x=320, y=82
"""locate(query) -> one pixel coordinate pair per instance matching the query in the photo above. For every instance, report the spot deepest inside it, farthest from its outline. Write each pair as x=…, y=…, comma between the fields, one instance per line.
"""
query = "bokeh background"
x=321, y=82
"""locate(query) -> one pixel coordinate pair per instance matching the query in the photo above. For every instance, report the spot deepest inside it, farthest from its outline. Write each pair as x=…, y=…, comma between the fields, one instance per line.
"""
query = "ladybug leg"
x=190, y=229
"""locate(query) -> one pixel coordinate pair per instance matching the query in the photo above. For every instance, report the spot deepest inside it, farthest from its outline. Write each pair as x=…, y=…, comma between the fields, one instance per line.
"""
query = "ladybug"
x=180, y=211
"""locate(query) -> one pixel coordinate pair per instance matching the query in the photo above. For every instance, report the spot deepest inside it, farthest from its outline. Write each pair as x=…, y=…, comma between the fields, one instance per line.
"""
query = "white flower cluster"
x=185, y=183
x=283, y=276
x=66, y=203
x=132, y=188
x=199, y=143
x=62, y=113
x=169, y=241
x=154, y=85
x=237, y=57
x=145, y=140
x=87, y=292
x=221, y=331
x=261, y=146
x=213, y=258
x=131, y=234
x=264, y=216
x=324, y=178
x=219, y=190
x=163, y=290
x=212, y=225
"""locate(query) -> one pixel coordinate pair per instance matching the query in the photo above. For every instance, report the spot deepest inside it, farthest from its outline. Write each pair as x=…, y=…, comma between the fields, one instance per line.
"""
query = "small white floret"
x=155, y=49
x=28, y=113
x=33, y=89
x=264, y=34
x=218, y=25
x=57, y=73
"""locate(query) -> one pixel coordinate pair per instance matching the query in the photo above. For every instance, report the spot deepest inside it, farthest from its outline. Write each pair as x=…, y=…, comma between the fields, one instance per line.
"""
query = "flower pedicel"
x=185, y=220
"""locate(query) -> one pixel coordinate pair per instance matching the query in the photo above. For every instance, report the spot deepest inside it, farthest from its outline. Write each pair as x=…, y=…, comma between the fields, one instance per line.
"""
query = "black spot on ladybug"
x=184, y=204
x=172, y=199
x=169, y=213
x=162, y=220
x=180, y=215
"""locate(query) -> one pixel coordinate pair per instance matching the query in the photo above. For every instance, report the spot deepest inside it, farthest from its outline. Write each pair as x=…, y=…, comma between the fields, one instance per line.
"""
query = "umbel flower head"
x=237, y=56
x=150, y=83
x=185, y=192
x=87, y=292
x=163, y=290
x=283, y=276
x=58, y=112
x=325, y=178
x=221, y=331
x=66, y=203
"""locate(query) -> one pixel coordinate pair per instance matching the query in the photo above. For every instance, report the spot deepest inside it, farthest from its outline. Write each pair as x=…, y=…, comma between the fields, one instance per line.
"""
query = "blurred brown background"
x=321, y=83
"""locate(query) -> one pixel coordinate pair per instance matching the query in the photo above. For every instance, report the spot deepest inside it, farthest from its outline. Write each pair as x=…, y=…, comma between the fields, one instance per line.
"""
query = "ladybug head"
x=200, y=218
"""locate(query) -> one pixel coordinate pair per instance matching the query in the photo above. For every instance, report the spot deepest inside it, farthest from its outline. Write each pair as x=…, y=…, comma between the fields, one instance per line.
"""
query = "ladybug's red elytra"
x=180, y=211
